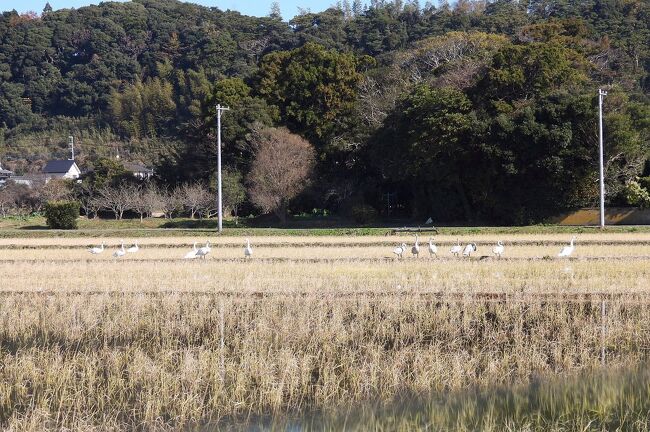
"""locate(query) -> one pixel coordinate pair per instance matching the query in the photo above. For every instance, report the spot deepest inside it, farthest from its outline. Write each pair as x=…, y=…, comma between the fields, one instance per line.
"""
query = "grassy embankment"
x=35, y=227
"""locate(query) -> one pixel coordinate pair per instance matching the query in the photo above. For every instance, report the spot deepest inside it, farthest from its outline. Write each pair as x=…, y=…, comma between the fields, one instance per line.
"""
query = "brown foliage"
x=55, y=190
x=17, y=199
x=281, y=169
x=193, y=197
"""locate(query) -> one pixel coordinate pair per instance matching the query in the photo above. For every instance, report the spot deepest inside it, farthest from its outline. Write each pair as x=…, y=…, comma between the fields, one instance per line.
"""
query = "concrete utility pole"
x=220, y=109
x=71, y=142
x=601, y=94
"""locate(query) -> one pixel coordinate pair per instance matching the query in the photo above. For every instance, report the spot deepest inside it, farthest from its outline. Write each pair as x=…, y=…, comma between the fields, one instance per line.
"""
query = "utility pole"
x=71, y=142
x=601, y=94
x=220, y=109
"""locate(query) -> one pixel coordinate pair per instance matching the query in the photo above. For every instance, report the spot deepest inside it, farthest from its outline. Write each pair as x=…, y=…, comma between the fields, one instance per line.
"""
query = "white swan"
x=97, y=250
x=471, y=247
x=191, y=254
x=399, y=250
x=457, y=248
x=134, y=248
x=498, y=249
x=433, y=249
x=202, y=252
x=120, y=252
x=567, y=251
x=415, y=250
x=248, y=250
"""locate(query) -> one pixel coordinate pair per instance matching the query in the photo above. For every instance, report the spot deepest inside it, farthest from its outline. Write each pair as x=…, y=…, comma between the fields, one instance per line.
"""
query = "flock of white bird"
x=458, y=249
x=196, y=252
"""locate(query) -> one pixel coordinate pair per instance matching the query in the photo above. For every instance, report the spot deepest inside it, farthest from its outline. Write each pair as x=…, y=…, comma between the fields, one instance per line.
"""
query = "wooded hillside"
x=472, y=111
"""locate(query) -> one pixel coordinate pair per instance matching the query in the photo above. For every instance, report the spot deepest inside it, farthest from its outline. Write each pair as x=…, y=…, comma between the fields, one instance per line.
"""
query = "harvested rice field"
x=153, y=341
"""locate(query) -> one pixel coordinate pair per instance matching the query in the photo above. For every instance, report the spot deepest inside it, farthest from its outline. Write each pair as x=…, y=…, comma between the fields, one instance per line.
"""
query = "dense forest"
x=476, y=111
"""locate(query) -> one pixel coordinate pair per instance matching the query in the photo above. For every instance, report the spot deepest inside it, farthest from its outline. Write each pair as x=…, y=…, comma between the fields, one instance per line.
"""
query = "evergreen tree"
x=275, y=12
x=357, y=7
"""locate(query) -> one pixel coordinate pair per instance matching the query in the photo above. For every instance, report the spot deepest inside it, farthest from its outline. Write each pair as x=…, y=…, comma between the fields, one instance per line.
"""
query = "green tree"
x=13, y=110
x=247, y=114
x=523, y=71
x=233, y=189
x=314, y=88
x=62, y=214
x=425, y=146
x=107, y=173
x=144, y=109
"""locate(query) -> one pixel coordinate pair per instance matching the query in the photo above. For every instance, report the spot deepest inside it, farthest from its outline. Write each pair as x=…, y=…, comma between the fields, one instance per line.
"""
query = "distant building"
x=29, y=179
x=4, y=175
x=138, y=170
x=64, y=169
x=54, y=169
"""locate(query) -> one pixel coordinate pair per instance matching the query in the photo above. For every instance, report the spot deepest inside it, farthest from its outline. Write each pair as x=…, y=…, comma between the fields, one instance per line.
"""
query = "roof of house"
x=4, y=172
x=58, y=166
x=137, y=168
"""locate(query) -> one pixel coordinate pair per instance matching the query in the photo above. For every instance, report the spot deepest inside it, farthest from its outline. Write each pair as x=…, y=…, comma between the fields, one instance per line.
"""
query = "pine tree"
x=357, y=7
x=47, y=9
x=347, y=10
x=276, y=12
x=415, y=5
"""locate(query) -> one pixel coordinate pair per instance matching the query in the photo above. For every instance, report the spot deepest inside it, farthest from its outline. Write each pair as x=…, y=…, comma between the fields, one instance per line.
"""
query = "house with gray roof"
x=138, y=170
x=63, y=169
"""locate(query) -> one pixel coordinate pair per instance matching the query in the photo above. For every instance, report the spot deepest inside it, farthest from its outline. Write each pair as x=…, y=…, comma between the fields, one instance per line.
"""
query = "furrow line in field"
x=459, y=297
x=485, y=258
x=443, y=244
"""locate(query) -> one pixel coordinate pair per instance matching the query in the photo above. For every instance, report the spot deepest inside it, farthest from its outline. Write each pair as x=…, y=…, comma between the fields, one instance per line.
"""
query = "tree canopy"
x=480, y=110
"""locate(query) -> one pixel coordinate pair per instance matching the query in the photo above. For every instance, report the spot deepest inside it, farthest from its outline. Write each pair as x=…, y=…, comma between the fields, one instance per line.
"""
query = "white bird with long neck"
x=97, y=250
x=120, y=252
x=415, y=250
x=567, y=251
x=134, y=248
x=498, y=249
x=248, y=250
x=433, y=249
x=457, y=248
x=202, y=252
x=471, y=247
x=191, y=254
x=399, y=250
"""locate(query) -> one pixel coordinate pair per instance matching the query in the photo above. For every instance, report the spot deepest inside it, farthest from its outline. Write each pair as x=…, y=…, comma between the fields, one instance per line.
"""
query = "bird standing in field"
x=415, y=250
x=205, y=250
x=134, y=248
x=120, y=252
x=248, y=250
x=471, y=247
x=191, y=254
x=456, y=249
x=399, y=250
x=97, y=250
x=567, y=251
x=498, y=249
x=433, y=249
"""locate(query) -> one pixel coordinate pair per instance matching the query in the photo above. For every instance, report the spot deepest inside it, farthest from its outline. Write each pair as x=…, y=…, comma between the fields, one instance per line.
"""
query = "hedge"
x=62, y=214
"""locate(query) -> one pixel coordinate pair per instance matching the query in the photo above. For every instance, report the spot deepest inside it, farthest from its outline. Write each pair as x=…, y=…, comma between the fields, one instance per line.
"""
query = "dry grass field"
x=152, y=341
